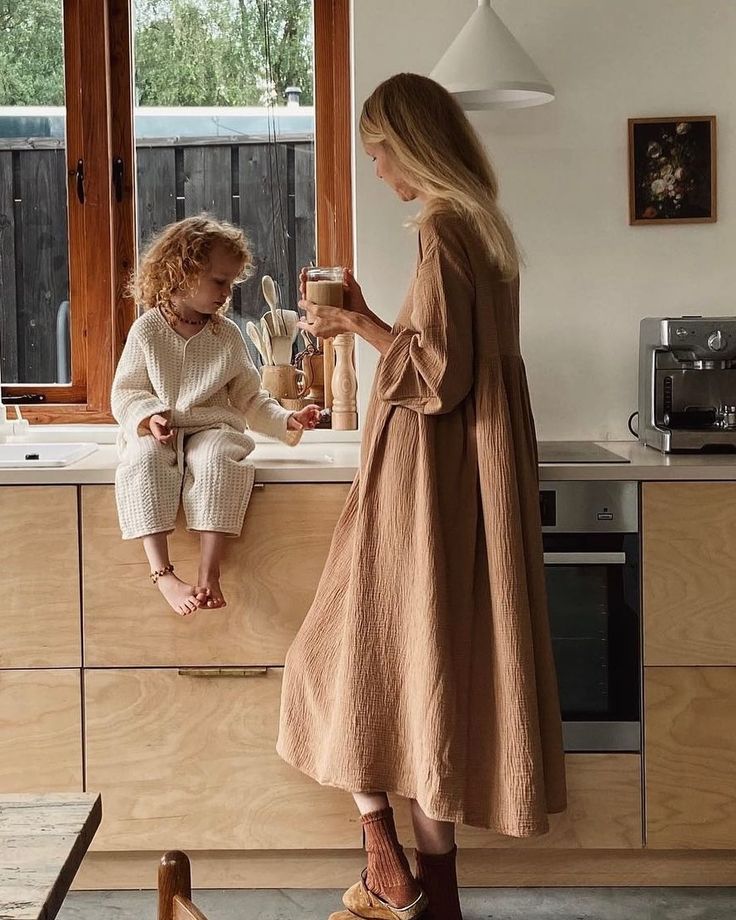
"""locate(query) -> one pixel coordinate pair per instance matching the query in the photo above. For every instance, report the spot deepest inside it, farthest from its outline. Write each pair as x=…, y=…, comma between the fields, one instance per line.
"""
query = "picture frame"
x=672, y=170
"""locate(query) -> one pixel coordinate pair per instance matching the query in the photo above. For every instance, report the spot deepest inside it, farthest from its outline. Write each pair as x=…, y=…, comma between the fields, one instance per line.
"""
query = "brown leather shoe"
x=368, y=906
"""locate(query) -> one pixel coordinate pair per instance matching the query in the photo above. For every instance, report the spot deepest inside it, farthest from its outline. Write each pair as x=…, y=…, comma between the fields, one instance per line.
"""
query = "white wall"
x=563, y=171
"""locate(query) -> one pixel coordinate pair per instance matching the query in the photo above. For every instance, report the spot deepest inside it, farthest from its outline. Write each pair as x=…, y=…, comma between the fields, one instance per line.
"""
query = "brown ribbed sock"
x=438, y=877
x=389, y=874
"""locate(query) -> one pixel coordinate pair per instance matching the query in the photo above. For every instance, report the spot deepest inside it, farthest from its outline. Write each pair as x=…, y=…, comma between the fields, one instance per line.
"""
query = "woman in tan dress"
x=424, y=667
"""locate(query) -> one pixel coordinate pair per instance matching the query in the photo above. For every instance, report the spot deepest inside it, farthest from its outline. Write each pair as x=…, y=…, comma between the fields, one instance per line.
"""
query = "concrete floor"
x=478, y=904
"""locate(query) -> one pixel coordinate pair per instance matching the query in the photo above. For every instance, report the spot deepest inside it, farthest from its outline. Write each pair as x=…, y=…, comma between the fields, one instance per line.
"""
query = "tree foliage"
x=31, y=57
x=187, y=52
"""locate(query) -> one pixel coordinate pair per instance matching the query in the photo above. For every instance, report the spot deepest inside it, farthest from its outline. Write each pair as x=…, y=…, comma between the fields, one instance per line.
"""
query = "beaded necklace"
x=167, y=308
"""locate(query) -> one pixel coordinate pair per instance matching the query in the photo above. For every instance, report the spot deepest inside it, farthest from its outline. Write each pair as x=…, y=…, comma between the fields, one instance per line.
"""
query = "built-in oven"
x=591, y=553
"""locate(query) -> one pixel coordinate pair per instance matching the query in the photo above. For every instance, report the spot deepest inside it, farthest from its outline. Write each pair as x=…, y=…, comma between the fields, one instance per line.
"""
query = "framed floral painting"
x=672, y=170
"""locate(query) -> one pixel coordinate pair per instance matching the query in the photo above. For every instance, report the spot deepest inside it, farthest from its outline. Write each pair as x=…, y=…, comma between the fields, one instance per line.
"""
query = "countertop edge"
x=339, y=463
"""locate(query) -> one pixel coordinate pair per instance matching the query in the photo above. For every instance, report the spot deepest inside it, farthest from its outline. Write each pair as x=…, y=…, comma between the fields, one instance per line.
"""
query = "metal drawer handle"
x=223, y=672
x=585, y=558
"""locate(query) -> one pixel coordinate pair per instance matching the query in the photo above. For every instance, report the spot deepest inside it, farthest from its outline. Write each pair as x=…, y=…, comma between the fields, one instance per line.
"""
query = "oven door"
x=593, y=595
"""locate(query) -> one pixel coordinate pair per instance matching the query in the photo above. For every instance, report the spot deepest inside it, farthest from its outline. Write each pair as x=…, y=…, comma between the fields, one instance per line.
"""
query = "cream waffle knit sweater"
x=210, y=391
x=204, y=382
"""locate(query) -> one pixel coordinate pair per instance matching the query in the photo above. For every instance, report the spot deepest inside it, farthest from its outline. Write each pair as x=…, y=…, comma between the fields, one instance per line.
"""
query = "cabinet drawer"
x=190, y=762
x=604, y=809
x=691, y=758
x=269, y=579
x=39, y=626
x=689, y=573
x=40, y=731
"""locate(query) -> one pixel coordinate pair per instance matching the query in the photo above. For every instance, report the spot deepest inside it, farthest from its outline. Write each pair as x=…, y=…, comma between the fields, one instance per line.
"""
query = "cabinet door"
x=40, y=731
x=39, y=626
x=691, y=758
x=689, y=572
x=269, y=579
x=189, y=761
x=604, y=809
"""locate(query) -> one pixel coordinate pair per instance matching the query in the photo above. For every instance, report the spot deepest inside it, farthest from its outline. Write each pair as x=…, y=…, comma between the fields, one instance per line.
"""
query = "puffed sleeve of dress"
x=429, y=366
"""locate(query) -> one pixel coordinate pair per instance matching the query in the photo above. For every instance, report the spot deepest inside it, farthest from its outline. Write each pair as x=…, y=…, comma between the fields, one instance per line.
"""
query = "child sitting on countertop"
x=184, y=392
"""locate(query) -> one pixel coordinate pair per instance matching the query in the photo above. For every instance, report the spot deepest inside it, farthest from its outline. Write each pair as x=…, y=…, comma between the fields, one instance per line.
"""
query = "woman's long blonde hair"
x=440, y=155
x=176, y=257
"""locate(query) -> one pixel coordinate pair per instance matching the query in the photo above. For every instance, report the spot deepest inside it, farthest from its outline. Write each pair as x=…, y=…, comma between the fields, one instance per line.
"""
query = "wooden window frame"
x=333, y=132
x=102, y=230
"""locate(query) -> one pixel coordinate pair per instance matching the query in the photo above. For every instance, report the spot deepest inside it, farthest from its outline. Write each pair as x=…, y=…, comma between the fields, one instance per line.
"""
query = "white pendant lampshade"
x=486, y=68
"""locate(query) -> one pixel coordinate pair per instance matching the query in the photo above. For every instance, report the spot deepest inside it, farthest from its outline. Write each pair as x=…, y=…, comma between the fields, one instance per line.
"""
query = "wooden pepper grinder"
x=324, y=286
x=344, y=385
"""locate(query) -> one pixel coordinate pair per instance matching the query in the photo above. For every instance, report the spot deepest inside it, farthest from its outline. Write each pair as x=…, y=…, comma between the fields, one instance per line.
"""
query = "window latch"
x=117, y=177
x=79, y=174
x=24, y=399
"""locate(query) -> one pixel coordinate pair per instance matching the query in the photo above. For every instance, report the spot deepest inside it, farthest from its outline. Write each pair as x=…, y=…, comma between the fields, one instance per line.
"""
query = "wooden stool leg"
x=174, y=878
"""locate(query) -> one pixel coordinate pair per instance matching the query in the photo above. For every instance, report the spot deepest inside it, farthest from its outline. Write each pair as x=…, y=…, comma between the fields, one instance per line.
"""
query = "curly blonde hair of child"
x=176, y=257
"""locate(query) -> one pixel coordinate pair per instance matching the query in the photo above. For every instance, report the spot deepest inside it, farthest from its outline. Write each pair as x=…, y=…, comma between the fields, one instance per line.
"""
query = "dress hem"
x=454, y=816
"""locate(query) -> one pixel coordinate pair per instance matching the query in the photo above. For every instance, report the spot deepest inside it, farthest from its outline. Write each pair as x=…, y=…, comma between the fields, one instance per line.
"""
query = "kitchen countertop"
x=338, y=462
x=646, y=464
x=316, y=462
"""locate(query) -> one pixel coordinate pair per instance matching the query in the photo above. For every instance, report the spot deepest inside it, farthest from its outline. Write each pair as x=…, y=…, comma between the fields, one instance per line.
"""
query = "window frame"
x=99, y=95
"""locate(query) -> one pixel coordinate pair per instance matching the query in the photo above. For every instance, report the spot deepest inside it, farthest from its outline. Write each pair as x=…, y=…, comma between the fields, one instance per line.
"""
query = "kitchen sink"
x=24, y=454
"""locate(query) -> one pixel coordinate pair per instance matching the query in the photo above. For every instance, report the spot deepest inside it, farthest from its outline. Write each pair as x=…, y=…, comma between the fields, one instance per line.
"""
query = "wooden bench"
x=43, y=839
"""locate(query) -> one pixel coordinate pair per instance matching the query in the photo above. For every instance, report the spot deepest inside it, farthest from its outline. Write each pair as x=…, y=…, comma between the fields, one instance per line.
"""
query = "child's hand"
x=308, y=418
x=159, y=426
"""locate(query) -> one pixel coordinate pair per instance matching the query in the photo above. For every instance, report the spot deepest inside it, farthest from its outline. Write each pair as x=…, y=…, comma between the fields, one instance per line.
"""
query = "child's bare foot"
x=181, y=596
x=209, y=585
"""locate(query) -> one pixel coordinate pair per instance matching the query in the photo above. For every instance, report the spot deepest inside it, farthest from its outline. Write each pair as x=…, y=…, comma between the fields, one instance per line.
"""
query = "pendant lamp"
x=486, y=68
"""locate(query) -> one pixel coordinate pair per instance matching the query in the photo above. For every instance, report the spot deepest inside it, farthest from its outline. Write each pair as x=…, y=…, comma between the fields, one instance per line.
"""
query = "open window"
x=139, y=113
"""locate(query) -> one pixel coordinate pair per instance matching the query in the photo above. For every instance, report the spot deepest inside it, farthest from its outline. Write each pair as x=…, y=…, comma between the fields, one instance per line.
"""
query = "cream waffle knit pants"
x=207, y=471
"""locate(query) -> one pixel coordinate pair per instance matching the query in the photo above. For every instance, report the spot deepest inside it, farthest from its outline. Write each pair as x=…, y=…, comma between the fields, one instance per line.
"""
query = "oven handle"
x=585, y=558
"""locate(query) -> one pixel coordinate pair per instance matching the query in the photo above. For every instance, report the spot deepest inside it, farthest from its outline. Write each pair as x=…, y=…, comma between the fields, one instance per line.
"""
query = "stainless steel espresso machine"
x=687, y=383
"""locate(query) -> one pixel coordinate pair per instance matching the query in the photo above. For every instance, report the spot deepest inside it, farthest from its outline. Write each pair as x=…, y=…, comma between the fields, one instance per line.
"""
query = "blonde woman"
x=424, y=667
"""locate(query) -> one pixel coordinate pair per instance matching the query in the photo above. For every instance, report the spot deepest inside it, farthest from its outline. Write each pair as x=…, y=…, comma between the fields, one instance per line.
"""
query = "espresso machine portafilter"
x=687, y=383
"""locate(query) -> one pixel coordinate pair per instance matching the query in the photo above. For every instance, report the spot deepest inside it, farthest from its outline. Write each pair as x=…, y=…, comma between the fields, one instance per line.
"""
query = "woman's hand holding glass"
x=354, y=316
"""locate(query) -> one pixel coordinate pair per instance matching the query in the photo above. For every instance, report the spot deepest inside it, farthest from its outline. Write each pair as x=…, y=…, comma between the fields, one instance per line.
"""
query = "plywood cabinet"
x=40, y=624
x=691, y=757
x=269, y=578
x=40, y=731
x=604, y=809
x=689, y=573
x=178, y=719
x=188, y=760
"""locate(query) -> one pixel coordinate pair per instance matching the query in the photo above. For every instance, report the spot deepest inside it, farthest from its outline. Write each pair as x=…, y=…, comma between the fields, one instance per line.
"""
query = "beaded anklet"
x=166, y=570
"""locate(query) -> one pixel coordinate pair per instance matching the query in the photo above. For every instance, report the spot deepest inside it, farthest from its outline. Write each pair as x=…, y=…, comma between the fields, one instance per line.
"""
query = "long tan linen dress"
x=424, y=666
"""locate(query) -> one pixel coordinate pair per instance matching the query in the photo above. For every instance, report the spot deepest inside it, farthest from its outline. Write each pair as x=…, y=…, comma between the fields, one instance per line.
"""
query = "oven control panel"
x=589, y=507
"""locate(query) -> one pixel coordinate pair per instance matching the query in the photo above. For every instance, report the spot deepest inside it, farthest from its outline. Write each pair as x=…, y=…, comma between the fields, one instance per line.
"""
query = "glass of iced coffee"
x=324, y=286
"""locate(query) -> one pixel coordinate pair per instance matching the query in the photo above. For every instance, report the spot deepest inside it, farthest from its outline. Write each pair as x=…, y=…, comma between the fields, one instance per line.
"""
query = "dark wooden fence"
x=267, y=189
